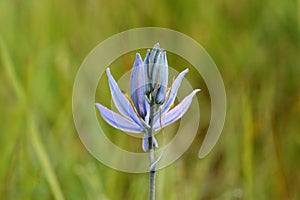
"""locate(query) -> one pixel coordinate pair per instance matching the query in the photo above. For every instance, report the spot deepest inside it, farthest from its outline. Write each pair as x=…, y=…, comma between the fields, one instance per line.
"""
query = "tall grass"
x=256, y=47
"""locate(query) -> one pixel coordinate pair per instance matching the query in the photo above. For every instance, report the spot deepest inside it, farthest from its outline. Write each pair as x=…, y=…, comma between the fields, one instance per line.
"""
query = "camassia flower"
x=150, y=101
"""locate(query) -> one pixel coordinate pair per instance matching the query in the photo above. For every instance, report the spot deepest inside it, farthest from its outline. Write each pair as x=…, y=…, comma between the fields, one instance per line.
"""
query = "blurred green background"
x=255, y=44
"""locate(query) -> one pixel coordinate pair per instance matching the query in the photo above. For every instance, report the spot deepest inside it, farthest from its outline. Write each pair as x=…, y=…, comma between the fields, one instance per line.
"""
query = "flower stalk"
x=148, y=108
x=152, y=165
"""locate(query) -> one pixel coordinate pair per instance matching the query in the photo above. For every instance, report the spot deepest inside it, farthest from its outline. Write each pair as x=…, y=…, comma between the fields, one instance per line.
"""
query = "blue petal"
x=151, y=64
x=156, y=68
x=120, y=100
x=163, y=76
x=147, y=111
x=155, y=144
x=145, y=143
x=171, y=95
x=118, y=121
x=137, y=86
x=147, y=66
x=164, y=71
x=177, y=112
x=161, y=95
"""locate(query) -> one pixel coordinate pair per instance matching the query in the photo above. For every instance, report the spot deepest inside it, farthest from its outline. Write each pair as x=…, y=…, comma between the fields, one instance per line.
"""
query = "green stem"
x=152, y=166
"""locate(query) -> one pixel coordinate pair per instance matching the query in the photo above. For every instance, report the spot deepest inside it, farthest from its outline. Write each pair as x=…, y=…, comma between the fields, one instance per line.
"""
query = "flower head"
x=148, y=87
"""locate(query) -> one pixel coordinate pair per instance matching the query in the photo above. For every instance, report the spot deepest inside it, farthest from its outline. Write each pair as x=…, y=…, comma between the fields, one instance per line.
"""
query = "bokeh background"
x=255, y=44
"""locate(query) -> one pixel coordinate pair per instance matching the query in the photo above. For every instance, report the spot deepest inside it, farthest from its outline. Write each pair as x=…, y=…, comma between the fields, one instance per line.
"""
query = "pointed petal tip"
x=186, y=71
x=100, y=106
x=146, y=60
x=138, y=56
x=148, y=52
x=138, y=60
x=156, y=45
x=183, y=73
x=196, y=91
x=108, y=71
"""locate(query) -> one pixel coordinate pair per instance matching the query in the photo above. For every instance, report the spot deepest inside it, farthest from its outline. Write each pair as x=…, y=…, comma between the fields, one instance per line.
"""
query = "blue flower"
x=148, y=87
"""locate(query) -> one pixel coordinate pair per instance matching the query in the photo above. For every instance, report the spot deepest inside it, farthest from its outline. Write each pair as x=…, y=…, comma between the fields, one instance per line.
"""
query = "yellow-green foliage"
x=256, y=47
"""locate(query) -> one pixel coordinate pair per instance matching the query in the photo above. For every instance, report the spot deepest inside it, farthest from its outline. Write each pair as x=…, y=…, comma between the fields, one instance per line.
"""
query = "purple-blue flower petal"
x=171, y=95
x=155, y=143
x=118, y=121
x=156, y=68
x=145, y=143
x=176, y=113
x=147, y=72
x=150, y=62
x=120, y=100
x=163, y=76
x=137, y=86
x=148, y=112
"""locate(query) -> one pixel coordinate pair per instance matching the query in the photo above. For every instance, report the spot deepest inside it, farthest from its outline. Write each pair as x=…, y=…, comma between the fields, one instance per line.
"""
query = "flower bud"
x=148, y=73
x=150, y=62
x=163, y=80
x=157, y=73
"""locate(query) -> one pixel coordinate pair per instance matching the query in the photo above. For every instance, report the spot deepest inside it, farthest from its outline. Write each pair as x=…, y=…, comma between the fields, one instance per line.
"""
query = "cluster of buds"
x=149, y=80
